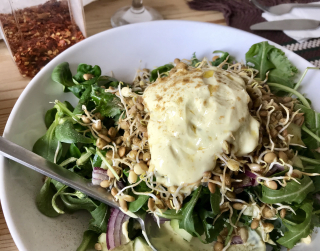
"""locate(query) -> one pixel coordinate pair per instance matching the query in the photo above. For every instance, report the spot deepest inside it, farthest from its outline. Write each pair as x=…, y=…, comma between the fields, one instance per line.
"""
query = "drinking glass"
x=135, y=13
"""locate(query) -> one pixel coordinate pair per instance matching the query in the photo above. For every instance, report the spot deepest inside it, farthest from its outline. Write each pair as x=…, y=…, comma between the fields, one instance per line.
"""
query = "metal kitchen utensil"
x=289, y=24
x=41, y=165
x=283, y=8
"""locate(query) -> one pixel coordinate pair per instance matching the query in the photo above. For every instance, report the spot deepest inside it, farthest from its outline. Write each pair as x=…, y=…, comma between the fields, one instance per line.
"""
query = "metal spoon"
x=41, y=165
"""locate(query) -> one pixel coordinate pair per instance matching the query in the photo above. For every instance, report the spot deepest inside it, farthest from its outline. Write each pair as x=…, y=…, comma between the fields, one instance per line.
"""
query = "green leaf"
x=74, y=151
x=140, y=200
x=69, y=106
x=55, y=197
x=106, y=103
x=83, y=69
x=222, y=58
x=311, y=121
x=194, y=60
x=50, y=117
x=191, y=221
x=47, y=145
x=265, y=57
x=84, y=100
x=62, y=74
x=162, y=69
x=44, y=198
x=298, y=231
x=99, y=220
x=293, y=192
x=211, y=231
x=73, y=204
x=89, y=239
x=66, y=133
x=215, y=199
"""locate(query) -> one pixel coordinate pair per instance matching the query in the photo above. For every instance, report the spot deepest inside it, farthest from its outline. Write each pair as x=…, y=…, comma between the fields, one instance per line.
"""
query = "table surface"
x=97, y=16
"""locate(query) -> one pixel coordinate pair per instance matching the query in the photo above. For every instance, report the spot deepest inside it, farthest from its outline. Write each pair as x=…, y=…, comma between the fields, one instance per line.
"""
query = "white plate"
x=122, y=50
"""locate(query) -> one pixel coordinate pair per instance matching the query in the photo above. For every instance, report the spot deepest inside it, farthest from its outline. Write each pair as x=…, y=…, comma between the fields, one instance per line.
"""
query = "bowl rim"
x=13, y=228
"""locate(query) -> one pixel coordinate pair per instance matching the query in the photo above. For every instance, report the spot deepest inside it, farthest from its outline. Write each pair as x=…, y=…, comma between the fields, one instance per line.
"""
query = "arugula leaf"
x=66, y=133
x=265, y=57
x=296, y=232
x=211, y=231
x=162, y=69
x=222, y=58
x=215, y=199
x=312, y=122
x=293, y=192
x=88, y=240
x=99, y=220
x=62, y=75
x=190, y=221
x=44, y=198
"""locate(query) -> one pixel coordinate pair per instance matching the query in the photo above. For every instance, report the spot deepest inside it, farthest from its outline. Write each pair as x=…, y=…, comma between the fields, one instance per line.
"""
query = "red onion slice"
x=114, y=230
x=250, y=174
x=98, y=175
x=117, y=229
x=110, y=229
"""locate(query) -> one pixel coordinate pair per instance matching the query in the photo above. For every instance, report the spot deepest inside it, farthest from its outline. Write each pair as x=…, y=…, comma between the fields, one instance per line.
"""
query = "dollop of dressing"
x=192, y=112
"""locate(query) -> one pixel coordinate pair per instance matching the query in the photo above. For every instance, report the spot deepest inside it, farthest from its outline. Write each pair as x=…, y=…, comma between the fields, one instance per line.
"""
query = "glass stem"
x=137, y=6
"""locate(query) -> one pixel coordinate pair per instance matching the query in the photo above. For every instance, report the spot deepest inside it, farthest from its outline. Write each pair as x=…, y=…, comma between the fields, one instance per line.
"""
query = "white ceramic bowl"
x=121, y=50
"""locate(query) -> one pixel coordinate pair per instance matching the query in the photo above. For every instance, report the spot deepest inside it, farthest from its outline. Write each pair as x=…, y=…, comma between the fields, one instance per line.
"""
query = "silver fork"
x=29, y=159
x=282, y=8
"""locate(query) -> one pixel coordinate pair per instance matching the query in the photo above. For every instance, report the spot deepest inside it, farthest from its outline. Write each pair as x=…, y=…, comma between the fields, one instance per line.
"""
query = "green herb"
x=89, y=239
x=224, y=55
x=72, y=204
x=62, y=74
x=190, y=221
x=99, y=220
x=48, y=144
x=108, y=164
x=66, y=133
x=211, y=231
x=292, y=192
x=86, y=69
x=74, y=151
x=50, y=117
x=44, y=198
x=215, y=199
x=160, y=70
x=54, y=198
x=298, y=231
x=84, y=100
x=140, y=200
x=194, y=60
x=267, y=58
x=106, y=103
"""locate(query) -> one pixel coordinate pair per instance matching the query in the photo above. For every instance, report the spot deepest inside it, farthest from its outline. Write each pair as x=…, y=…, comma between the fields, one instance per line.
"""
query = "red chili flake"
x=37, y=34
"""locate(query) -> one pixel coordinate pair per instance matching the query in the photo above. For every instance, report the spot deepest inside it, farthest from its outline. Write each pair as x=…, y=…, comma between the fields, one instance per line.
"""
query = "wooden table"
x=98, y=19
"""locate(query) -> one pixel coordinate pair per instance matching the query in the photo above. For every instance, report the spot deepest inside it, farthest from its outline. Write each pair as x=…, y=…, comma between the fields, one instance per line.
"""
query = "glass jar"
x=35, y=31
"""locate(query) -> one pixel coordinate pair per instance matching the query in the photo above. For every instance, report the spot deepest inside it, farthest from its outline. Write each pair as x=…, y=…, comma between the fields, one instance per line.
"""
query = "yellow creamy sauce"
x=191, y=113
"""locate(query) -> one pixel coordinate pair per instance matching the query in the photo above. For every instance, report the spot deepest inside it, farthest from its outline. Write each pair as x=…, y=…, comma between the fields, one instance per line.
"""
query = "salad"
x=222, y=155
